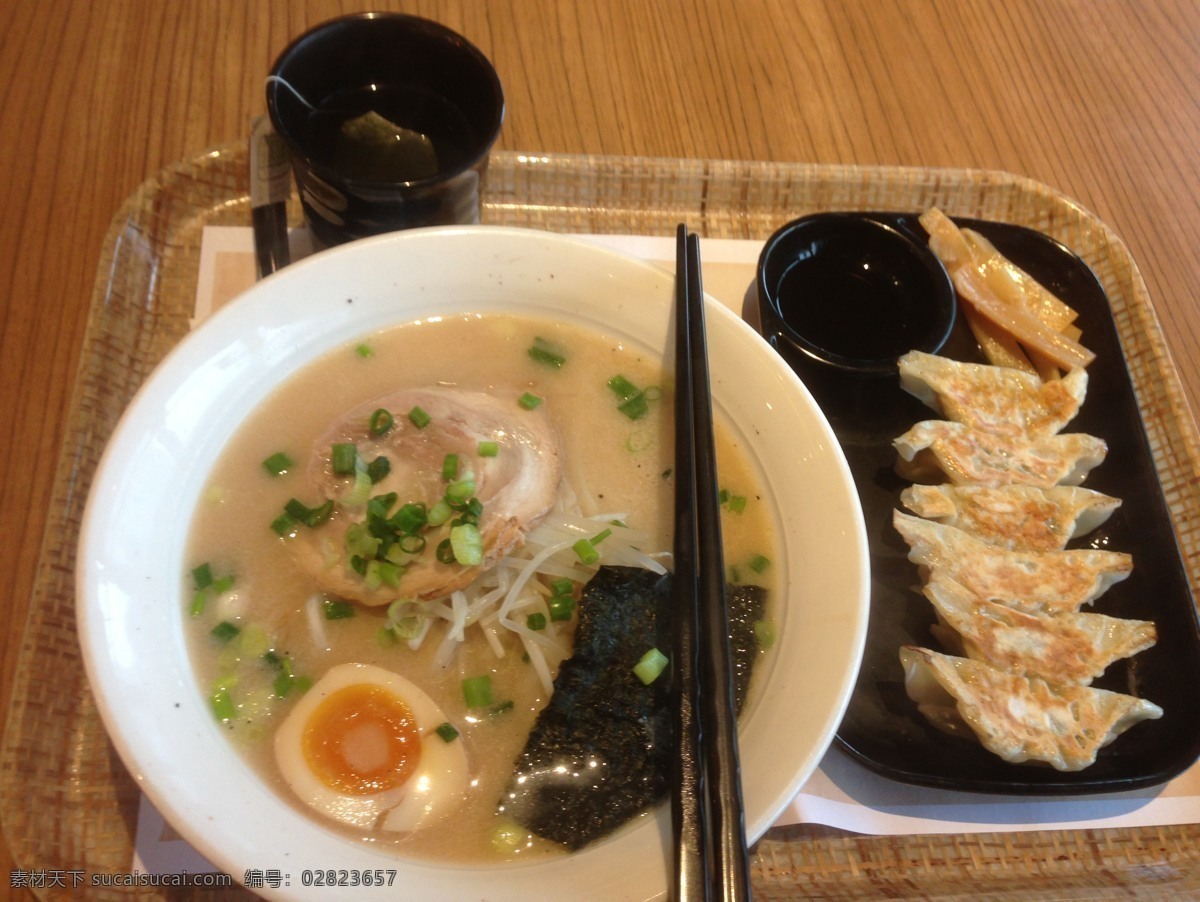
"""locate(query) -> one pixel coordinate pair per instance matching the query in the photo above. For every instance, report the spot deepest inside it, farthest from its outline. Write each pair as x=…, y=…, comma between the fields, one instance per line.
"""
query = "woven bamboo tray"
x=67, y=803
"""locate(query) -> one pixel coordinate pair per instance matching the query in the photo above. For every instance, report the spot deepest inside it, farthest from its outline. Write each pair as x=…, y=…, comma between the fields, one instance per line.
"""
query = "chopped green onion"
x=378, y=469
x=450, y=467
x=529, y=401
x=586, y=552
x=546, y=353
x=278, y=463
x=636, y=407
x=507, y=837
x=764, y=633
x=419, y=418
x=467, y=544
x=199, y=600
x=447, y=732
x=445, y=552
x=224, y=631
x=407, y=627
x=386, y=636
x=623, y=388
x=285, y=678
x=363, y=350
x=253, y=641
x=651, y=666
x=360, y=492
x=309, y=516
x=634, y=402
x=489, y=449
x=460, y=491
x=338, y=610
x=759, y=563
x=360, y=543
x=410, y=519
x=381, y=422
x=343, y=457
x=283, y=525
x=410, y=545
x=477, y=691
x=379, y=573
x=501, y=707
x=536, y=621
x=296, y=510
x=562, y=607
x=378, y=507
x=564, y=585
x=734, y=503
x=601, y=536
x=222, y=704
x=283, y=684
x=439, y=513
x=202, y=576
x=206, y=587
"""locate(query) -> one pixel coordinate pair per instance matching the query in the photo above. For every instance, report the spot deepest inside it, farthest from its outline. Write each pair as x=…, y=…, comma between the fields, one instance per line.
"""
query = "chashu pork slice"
x=1016, y=717
x=1063, y=647
x=1018, y=517
x=1033, y=581
x=934, y=450
x=995, y=399
x=516, y=485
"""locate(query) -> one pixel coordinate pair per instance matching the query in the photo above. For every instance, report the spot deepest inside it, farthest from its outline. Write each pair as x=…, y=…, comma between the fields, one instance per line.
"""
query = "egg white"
x=437, y=787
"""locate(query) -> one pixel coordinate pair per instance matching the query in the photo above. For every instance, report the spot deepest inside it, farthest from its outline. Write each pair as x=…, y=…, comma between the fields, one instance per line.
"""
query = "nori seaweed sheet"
x=598, y=754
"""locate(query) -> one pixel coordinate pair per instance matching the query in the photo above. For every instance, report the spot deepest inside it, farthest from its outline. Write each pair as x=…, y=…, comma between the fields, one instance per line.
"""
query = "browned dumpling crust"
x=1017, y=717
x=1017, y=517
x=1027, y=580
x=998, y=498
x=996, y=399
x=1060, y=647
x=934, y=450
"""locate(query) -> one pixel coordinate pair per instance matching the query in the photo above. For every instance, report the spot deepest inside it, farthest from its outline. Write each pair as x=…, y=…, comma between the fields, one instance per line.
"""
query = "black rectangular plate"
x=882, y=728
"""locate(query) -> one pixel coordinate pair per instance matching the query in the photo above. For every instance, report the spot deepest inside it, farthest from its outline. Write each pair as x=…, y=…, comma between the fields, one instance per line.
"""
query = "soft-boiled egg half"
x=363, y=747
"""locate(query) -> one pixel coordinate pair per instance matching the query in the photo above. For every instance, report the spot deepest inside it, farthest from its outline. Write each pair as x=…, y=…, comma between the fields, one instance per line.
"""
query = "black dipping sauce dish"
x=841, y=296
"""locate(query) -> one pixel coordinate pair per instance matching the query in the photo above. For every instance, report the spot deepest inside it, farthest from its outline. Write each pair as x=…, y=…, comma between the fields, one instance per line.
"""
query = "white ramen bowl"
x=131, y=559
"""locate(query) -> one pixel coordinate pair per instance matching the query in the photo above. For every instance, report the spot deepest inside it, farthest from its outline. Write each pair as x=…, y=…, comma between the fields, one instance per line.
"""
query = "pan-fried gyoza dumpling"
x=1016, y=717
x=1022, y=517
x=1033, y=581
x=1062, y=647
x=993, y=398
x=936, y=449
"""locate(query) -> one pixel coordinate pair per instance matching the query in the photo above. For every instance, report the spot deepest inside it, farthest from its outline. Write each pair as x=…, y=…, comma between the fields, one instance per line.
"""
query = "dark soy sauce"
x=857, y=313
x=390, y=134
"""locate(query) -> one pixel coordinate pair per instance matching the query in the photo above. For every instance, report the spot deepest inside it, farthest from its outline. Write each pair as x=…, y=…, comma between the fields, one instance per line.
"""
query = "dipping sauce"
x=853, y=312
x=853, y=292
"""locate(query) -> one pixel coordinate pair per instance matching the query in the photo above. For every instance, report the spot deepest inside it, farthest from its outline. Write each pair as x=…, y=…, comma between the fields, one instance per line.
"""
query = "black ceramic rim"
x=883, y=223
x=492, y=132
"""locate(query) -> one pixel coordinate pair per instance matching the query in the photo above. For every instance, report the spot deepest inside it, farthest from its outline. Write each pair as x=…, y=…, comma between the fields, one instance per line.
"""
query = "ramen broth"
x=611, y=465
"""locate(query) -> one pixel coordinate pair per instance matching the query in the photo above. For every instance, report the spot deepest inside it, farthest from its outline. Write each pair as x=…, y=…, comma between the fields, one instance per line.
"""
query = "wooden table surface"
x=1097, y=98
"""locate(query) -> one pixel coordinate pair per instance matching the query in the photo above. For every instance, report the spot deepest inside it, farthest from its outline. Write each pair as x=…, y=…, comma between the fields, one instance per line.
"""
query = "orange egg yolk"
x=362, y=739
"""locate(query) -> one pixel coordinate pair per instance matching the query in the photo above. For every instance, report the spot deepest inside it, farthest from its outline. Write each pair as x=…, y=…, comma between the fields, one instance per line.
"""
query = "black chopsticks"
x=706, y=799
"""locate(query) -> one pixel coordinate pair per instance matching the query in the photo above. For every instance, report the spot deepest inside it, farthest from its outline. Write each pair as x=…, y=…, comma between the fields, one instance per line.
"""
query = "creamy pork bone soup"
x=306, y=627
